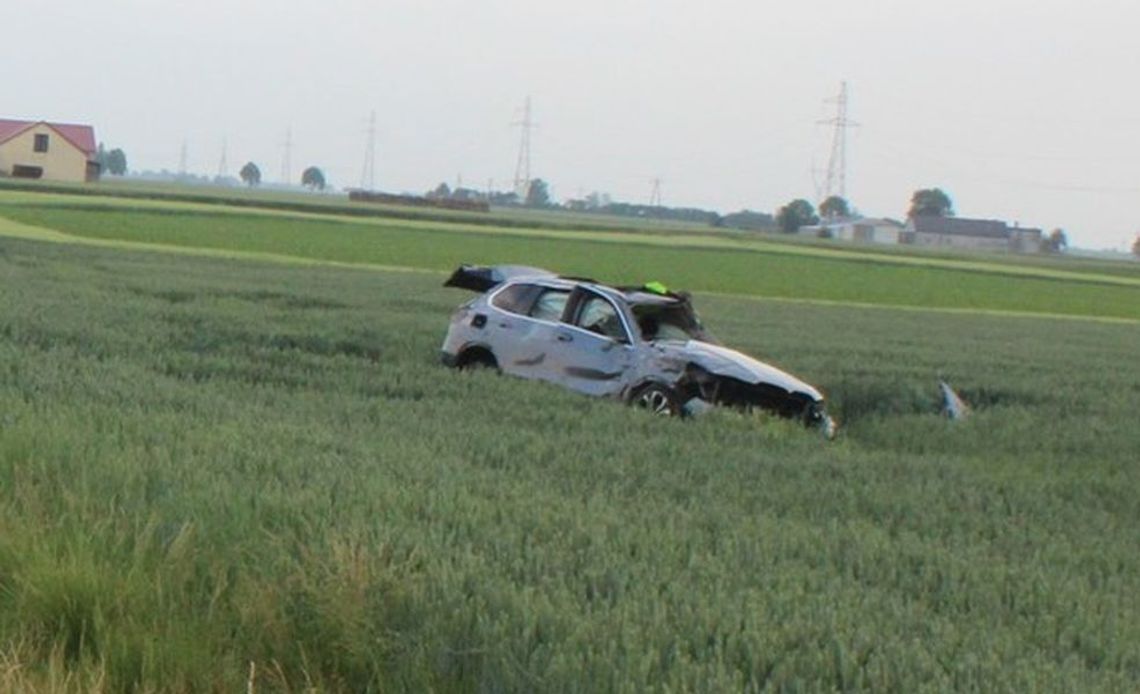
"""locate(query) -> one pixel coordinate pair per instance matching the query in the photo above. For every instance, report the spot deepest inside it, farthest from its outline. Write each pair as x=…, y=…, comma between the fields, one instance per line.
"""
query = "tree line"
x=790, y=218
x=537, y=196
x=928, y=202
x=312, y=177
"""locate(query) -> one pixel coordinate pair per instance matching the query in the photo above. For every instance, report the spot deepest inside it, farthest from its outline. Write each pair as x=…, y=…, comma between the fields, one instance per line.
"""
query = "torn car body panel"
x=615, y=341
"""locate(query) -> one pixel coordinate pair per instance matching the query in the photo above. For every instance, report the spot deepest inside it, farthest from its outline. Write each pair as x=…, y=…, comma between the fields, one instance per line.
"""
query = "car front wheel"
x=658, y=399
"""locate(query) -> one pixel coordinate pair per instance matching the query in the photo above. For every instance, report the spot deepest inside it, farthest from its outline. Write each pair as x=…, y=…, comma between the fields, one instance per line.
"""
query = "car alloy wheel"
x=658, y=399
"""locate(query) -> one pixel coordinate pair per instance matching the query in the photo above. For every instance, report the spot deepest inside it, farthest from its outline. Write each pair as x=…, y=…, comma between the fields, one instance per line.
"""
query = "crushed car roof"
x=484, y=278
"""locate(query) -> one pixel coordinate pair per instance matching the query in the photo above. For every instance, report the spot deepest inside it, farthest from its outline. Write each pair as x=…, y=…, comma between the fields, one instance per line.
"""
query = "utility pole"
x=223, y=166
x=285, y=162
x=368, y=175
x=837, y=163
x=182, y=161
x=522, y=167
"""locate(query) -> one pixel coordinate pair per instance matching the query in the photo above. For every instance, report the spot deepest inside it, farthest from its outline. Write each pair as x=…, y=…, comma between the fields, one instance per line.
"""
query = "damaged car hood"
x=723, y=361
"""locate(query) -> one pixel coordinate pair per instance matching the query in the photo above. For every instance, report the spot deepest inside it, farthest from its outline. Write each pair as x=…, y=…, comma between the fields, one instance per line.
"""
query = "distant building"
x=48, y=151
x=869, y=231
x=1025, y=240
x=982, y=234
x=863, y=230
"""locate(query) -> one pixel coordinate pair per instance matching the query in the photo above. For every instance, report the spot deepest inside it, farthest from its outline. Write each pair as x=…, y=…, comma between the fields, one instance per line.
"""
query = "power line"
x=182, y=160
x=286, y=173
x=522, y=166
x=368, y=175
x=223, y=166
x=837, y=162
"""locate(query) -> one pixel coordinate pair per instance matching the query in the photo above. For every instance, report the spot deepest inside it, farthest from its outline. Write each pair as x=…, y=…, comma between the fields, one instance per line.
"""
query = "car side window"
x=517, y=298
x=599, y=316
x=550, y=304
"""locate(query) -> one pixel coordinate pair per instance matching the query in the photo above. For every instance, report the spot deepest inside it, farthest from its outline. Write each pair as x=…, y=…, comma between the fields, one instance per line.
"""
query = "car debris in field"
x=643, y=345
x=953, y=406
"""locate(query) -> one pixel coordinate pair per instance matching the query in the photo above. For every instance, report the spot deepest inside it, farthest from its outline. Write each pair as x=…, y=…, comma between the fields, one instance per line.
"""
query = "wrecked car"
x=643, y=345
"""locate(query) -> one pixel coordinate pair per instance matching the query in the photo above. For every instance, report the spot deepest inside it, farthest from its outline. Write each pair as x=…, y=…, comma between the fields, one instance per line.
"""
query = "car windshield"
x=669, y=321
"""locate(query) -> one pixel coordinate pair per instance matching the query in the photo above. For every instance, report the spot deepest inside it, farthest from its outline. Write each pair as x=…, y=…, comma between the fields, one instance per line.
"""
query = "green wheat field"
x=230, y=461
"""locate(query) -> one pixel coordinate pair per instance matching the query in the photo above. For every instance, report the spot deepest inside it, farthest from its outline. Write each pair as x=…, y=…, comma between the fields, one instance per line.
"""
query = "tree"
x=1056, y=242
x=441, y=192
x=101, y=158
x=930, y=202
x=113, y=162
x=250, y=174
x=796, y=214
x=834, y=207
x=467, y=194
x=117, y=162
x=1136, y=246
x=504, y=198
x=537, y=194
x=749, y=220
x=313, y=178
x=596, y=200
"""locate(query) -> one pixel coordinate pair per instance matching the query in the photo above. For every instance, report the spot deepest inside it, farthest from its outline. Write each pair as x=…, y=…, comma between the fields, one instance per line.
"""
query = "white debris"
x=952, y=404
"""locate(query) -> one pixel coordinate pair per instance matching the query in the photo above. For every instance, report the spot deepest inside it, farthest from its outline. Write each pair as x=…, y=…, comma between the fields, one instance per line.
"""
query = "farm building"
x=858, y=230
x=1025, y=240
x=983, y=234
x=49, y=151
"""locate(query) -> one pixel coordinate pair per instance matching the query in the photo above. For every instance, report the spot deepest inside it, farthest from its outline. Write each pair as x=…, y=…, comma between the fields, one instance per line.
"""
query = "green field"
x=219, y=473
x=741, y=266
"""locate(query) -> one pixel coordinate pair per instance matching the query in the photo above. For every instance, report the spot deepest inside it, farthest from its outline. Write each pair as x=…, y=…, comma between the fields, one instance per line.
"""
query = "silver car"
x=643, y=345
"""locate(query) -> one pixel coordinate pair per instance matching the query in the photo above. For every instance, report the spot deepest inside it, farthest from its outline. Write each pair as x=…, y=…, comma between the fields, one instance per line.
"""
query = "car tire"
x=658, y=399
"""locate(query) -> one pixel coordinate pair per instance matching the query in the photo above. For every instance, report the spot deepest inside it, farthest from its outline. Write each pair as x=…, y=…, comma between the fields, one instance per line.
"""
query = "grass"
x=702, y=264
x=111, y=189
x=112, y=192
x=208, y=463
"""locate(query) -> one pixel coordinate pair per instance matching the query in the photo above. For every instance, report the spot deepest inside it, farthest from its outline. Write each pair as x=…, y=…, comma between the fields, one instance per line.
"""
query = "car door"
x=523, y=328
x=592, y=347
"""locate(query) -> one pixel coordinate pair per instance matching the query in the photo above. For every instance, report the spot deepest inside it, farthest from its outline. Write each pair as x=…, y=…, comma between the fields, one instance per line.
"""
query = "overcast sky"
x=1022, y=110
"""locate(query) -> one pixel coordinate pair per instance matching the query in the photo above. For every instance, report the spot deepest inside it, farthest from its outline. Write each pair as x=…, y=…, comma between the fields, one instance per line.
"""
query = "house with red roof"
x=48, y=151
